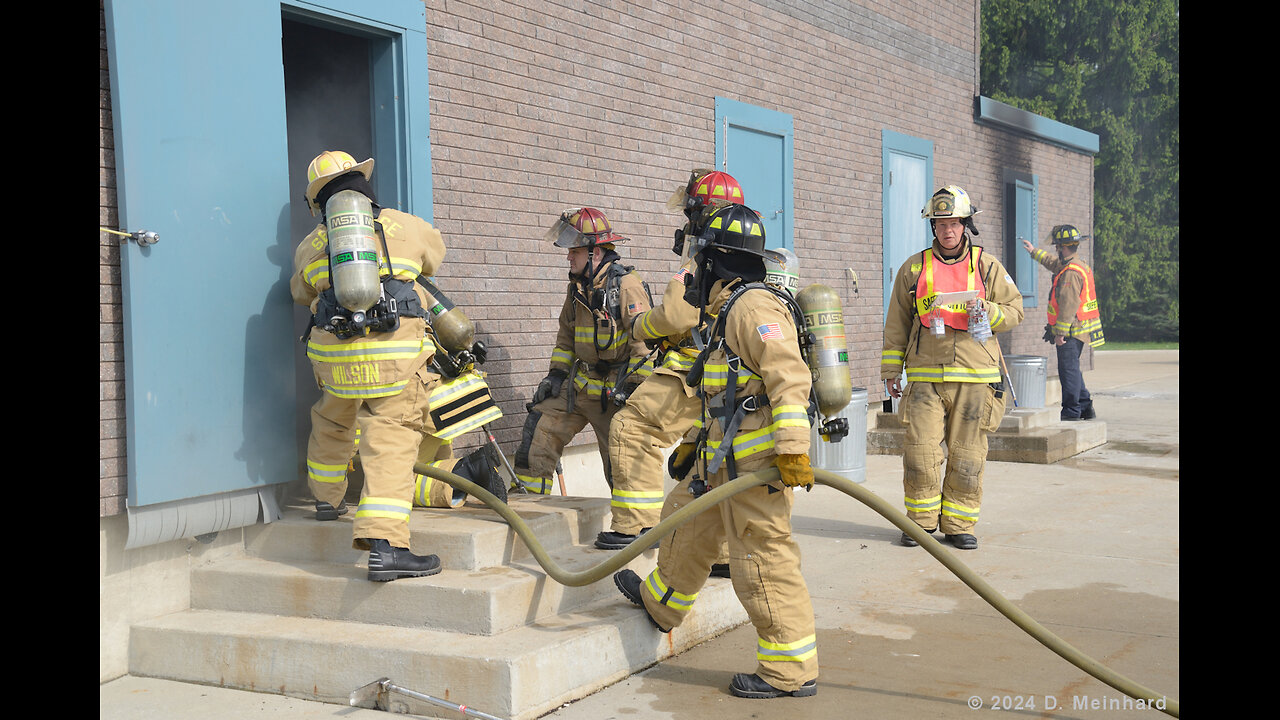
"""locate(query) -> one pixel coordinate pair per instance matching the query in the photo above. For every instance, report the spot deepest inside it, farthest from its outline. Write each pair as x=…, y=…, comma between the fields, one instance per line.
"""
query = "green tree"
x=1109, y=67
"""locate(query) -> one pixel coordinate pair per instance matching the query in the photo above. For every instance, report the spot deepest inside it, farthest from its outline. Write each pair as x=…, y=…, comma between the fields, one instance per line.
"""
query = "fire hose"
x=822, y=477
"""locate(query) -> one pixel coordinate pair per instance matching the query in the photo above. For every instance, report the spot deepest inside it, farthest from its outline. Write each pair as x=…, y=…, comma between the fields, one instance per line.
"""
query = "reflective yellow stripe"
x=384, y=508
x=959, y=511
x=635, y=499
x=922, y=504
x=797, y=651
x=953, y=374
x=324, y=473
x=658, y=589
x=355, y=392
x=535, y=485
x=561, y=356
x=365, y=351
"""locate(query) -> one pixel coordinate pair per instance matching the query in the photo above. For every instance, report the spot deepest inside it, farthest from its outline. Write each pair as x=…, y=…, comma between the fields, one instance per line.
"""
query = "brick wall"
x=541, y=105
x=111, y=436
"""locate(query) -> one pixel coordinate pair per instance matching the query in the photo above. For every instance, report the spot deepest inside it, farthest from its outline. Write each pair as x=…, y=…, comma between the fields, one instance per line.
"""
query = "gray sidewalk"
x=1088, y=546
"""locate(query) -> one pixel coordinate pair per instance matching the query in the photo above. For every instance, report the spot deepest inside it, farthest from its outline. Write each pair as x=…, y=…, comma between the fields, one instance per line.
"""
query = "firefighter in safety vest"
x=664, y=408
x=954, y=390
x=1073, y=317
x=596, y=362
x=755, y=388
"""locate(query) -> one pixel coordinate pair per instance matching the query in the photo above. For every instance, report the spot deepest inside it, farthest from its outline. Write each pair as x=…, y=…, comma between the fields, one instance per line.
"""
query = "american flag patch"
x=770, y=331
x=632, y=308
x=680, y=275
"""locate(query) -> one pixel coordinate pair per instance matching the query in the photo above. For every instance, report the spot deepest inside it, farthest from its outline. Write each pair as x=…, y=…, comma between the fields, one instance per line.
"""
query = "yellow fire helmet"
x=950, y=201
x=1066, y=235
x=328, y=165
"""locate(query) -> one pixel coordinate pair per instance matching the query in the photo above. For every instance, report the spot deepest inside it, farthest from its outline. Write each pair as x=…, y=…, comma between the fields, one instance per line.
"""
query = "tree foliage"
x=1109, y=67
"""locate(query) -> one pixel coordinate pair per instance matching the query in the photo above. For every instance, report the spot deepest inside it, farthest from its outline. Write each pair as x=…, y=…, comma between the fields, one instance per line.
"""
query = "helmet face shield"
x=582, y=227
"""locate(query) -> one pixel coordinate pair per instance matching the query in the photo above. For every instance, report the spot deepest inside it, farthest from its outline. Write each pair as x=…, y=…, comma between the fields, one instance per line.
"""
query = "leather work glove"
x=681, y=460
x=1048, y=334
x=549, y=387
x=795, y=470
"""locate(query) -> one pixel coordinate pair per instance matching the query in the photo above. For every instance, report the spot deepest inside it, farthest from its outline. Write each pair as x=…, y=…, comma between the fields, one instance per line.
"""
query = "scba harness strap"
x=726, y=407
x=397, y=299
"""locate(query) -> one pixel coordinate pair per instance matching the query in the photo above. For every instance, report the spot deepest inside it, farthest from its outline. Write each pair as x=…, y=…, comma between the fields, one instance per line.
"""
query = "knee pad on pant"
x=526, y=438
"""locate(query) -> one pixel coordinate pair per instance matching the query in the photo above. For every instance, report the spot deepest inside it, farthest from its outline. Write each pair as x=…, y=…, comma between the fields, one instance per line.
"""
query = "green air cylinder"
x=453, y=329
x=828, y=356
x=353, y=251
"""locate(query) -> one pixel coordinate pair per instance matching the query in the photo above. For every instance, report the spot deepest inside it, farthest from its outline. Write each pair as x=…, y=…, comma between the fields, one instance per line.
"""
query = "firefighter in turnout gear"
x=596, y=362
x=755, y=391
x=1073, y=316
x=954, y=390
x=370, y=351
x=664, y=408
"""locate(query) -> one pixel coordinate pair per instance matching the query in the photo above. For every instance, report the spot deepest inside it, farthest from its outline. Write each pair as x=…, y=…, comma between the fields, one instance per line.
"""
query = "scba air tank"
x=353, y=251
x=828, y=355
x=453, y=329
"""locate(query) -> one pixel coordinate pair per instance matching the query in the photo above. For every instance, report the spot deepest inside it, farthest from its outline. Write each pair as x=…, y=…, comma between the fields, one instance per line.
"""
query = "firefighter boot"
x=752, y=686
x=480, y=467
x=325, y=511
x=610, y=540
x=910, y=541
x=963, y=541
x=392, y=563
x=629, y=585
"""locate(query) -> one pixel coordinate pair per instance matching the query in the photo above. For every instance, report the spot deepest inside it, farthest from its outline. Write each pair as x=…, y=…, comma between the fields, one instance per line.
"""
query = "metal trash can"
x=1029, y=374
x=849, y=456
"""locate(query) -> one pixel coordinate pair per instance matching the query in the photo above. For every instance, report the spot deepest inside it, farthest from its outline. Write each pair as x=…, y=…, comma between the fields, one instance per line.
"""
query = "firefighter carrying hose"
x=954, y=386
x=596, y=362
x=755, y=393
x=358, y=273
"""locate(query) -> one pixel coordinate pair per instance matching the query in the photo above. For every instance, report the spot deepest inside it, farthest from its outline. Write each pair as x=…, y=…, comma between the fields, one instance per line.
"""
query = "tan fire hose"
x=822, y=477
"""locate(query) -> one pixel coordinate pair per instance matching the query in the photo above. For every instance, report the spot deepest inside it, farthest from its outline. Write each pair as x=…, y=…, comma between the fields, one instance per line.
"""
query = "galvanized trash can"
x=1029, y=373
x=849, y=456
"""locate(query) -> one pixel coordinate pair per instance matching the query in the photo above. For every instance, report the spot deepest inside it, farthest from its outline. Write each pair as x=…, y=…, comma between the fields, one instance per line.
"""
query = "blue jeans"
x=1076, y=401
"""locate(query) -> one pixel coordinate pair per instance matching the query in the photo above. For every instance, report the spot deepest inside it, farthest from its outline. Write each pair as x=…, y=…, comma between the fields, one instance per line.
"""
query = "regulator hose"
x=822, y=477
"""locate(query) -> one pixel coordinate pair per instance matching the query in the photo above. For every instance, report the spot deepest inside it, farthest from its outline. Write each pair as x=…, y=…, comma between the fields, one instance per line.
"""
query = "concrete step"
x=487, y=601
x=470, y=537
x=294, y=615
x=1029, y=435
x=518, y=674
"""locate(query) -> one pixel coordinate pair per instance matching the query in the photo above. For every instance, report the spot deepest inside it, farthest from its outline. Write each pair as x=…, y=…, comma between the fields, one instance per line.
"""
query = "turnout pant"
x=765, y=566
x=549, y=426
x=390, y=430
x=655, y=417
x=959, y=414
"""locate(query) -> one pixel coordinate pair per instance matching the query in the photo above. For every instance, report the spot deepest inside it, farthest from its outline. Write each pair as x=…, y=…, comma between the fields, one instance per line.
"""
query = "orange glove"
x=795, y=470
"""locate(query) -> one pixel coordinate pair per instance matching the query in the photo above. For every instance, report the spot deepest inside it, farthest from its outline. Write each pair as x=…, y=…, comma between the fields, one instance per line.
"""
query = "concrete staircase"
x=1027, y=435
x=294, y=615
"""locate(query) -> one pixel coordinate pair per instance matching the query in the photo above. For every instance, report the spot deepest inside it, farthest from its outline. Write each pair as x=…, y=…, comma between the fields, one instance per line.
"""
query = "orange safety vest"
x=939, y=277
x=1087, y=313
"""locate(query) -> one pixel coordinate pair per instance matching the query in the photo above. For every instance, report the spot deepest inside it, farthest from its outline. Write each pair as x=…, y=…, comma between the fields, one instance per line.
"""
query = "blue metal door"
x=754, y=145
x=198, y=107
x=907, y=173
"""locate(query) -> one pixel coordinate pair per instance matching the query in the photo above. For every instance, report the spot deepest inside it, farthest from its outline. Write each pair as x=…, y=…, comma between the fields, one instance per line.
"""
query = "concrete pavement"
x=1088, y=546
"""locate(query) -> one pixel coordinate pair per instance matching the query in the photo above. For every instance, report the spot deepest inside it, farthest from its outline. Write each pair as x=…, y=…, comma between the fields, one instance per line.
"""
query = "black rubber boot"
x=963, y=541
x=481, y=468
x=392, y=563
x=325, y=511
x=629, y=585
x=610, y=540
x=910, y=541
x=752, y=686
